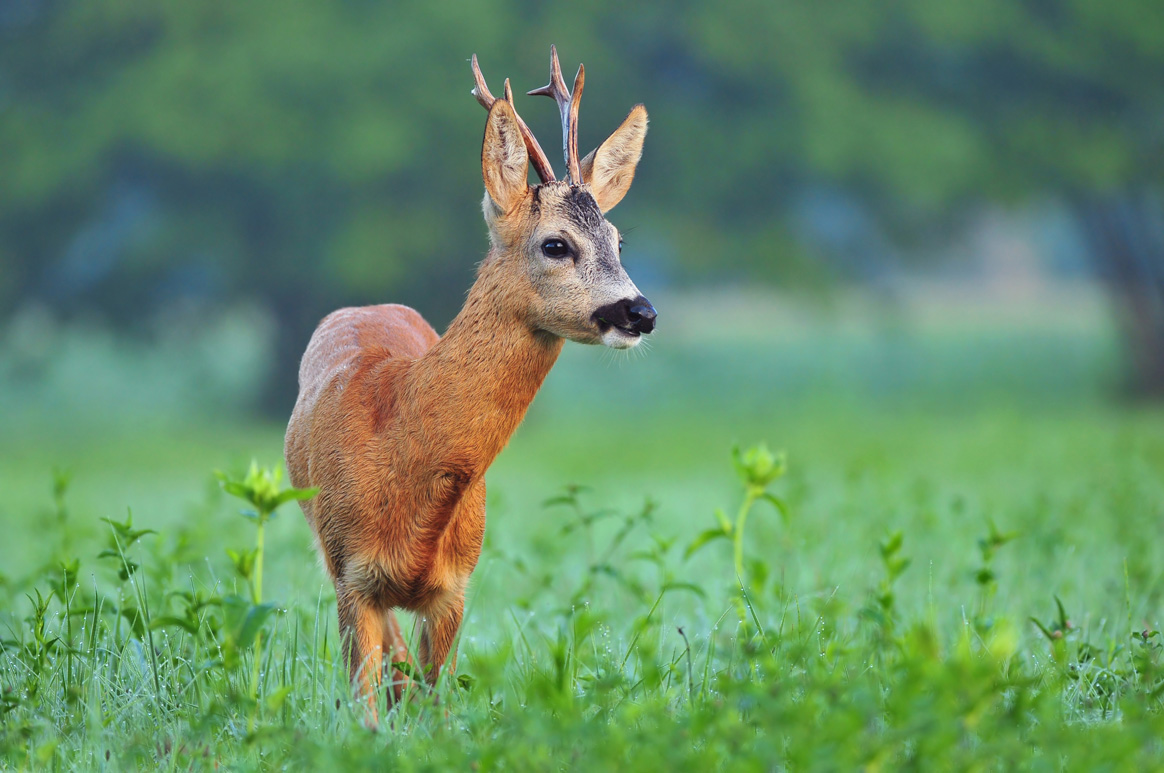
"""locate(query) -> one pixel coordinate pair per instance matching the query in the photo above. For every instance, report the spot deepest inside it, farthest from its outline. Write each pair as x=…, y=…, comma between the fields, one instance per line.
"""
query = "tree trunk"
x=1125, y=236
x=295, y=319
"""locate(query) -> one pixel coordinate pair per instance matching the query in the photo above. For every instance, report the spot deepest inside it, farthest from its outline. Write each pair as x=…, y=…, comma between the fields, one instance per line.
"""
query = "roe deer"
x=397, y=426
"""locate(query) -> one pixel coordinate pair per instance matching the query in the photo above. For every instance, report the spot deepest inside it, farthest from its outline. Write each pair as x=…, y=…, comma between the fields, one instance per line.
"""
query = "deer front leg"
x=439, y=631
x=361, y=629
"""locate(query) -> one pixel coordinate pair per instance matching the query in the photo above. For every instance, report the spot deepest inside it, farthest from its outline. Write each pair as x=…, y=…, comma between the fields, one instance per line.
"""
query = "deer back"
x=354, y=354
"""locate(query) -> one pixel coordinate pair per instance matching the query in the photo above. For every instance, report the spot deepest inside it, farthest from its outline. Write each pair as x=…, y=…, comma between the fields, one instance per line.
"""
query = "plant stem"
x=257, y=598
x=753, y=493
x=257, y=586
x=68, y=631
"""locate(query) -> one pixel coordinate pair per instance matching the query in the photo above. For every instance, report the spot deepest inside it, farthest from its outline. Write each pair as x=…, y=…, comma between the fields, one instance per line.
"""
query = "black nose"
x=641, y=315
x=631, y=315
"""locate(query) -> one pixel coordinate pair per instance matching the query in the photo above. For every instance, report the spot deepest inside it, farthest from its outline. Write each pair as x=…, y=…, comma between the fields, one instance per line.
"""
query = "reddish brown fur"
x=397, y=426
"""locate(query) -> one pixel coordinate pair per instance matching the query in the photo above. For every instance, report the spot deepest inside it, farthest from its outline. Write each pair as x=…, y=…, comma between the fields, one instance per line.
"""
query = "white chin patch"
x=617, y=339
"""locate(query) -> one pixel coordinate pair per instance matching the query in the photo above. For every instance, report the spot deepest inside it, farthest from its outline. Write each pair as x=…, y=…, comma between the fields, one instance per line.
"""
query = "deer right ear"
x=504, y=160
x=610, y=168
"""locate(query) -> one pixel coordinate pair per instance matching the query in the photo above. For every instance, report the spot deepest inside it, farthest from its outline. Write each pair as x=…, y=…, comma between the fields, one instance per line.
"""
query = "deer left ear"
x=610, y=169
x=504, y=160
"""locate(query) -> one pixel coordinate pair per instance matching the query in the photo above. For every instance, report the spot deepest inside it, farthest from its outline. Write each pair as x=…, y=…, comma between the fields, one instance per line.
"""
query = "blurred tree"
x=310, y=155
x=1067, y=97
x=928, y=109
x=319, y=154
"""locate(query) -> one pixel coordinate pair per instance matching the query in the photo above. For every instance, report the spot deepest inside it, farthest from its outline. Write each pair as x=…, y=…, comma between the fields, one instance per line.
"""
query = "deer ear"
x=610, y=169
x=504, y=160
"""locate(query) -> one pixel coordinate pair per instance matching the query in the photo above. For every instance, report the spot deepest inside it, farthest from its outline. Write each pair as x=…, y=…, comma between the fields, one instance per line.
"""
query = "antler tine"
x=568, y=106
x=556, y=88
x=572, y=147
x=480, y=90
x=537, y=156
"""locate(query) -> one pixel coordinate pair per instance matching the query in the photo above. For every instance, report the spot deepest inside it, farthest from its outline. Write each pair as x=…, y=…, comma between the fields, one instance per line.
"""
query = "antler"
x=537, y=156
x=568, y=106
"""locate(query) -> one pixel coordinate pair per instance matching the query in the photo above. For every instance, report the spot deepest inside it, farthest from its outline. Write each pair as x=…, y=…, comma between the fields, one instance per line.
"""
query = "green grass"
x=885, y=621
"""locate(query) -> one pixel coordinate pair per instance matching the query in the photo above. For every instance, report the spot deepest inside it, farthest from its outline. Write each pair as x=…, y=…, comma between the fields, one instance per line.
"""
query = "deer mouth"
x=617, y=336
x=605, y=327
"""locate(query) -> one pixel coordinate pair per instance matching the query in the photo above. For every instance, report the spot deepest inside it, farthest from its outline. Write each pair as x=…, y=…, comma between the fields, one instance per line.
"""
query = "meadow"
x=936, y=550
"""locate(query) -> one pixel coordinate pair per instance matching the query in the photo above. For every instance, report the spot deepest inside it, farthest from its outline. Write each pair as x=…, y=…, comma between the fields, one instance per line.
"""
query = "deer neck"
x=472, y=388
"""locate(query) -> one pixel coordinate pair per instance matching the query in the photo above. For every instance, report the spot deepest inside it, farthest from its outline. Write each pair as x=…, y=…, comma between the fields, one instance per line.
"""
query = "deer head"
x=552, y=242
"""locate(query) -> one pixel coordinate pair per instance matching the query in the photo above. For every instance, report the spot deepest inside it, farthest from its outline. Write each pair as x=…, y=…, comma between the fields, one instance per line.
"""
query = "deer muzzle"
x=633, y=316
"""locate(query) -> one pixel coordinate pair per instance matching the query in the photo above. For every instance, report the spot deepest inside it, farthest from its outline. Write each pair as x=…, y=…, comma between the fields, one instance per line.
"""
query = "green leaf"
x=406, y=668
x=125, y=566
x=891, y=544
x=276, y=699
x=570, y=497
x=704, y=538
x=244, y=561
x=260, y=488
x=646, y=555
x=1043, y=628
x=186, y=624
x=1064, y=621
x=242, y=623
x=235, y=489
x=757, y=573
x=687, y=586
x=45, y=752
x=298, y=494
x=126, y=534
x=777, y=502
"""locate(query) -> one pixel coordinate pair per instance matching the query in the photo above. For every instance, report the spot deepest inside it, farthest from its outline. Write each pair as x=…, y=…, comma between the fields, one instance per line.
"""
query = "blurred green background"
x=856, y=219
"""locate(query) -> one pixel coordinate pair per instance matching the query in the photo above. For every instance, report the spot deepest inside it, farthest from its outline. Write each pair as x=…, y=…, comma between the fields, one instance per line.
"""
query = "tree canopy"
x=312, y=154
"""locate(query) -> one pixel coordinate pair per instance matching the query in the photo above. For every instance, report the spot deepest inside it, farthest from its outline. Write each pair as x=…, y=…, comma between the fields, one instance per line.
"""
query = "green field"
x=1013, y=480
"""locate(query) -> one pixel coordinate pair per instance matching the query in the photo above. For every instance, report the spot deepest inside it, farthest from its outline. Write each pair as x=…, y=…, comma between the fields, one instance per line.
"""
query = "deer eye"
x=555, y=248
